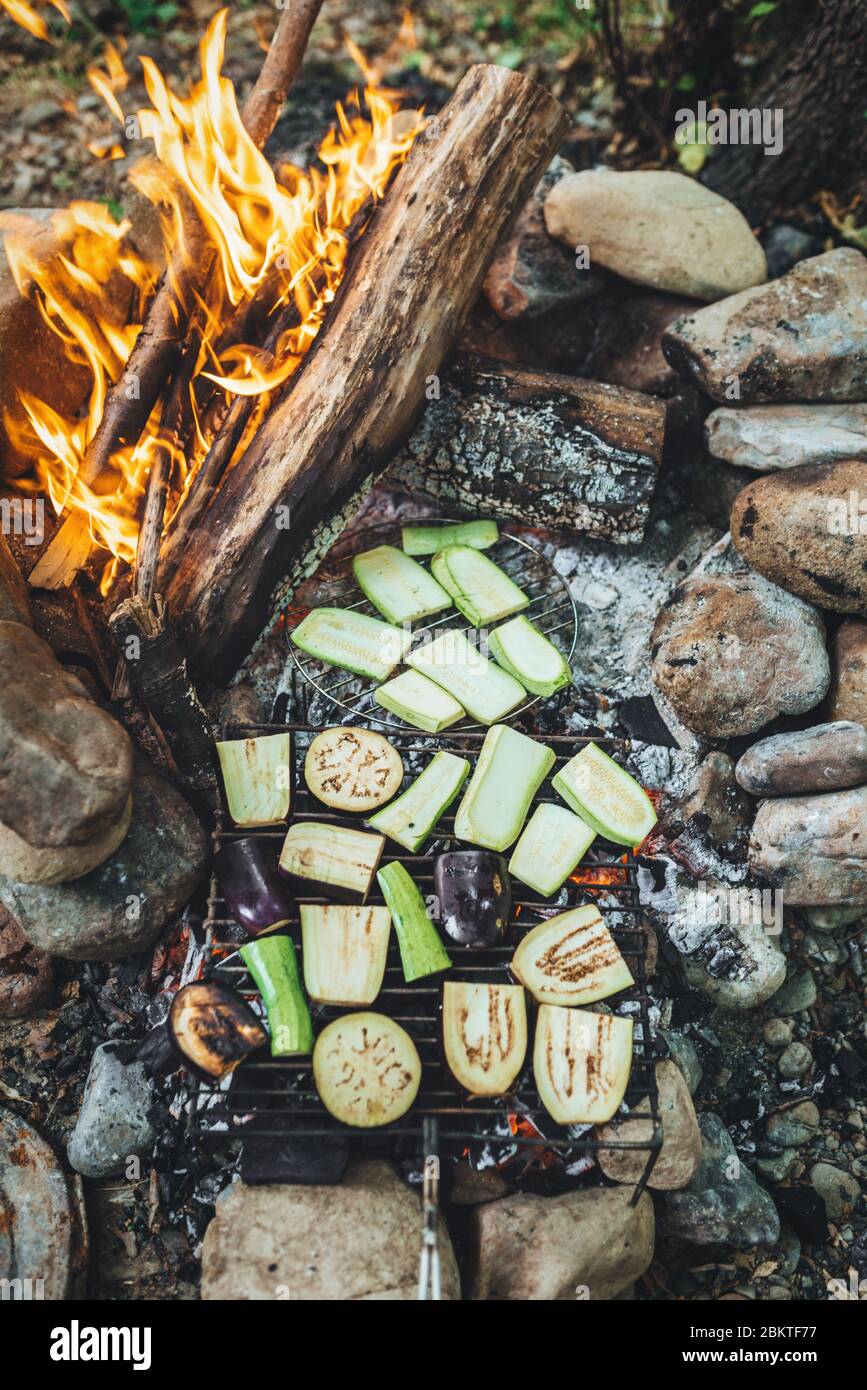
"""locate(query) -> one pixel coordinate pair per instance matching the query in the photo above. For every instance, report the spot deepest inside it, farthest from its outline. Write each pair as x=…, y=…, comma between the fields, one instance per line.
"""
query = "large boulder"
x=657, y=228
x=814, y=848
x=723, y=1205
x=585, y=1244
x=65, y=764
x=732, y=652
x=359, y=1241
x=680, y=1154
x=847, y=693
x=824, y=758
x=123, y=905
x=800, y=338
x=766, y=438
x=798, y=528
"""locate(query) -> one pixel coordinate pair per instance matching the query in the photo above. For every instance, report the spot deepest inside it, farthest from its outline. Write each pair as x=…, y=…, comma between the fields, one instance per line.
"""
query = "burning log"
x=540, y=448
x=362, y=386
x=159, y=347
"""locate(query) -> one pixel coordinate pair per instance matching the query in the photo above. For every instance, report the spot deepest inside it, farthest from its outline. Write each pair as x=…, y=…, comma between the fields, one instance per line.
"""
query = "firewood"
x=363, y=383
x=159, y=346
x=539, y=448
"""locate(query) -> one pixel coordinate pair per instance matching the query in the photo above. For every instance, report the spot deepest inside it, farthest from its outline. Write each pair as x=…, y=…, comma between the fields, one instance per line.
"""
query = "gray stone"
x=801, y=529
x=683, y=1054
x=847, y=694
x=778, y=1032
x=832, y=918
x=821, y=759
x=585, y=1244
x=778, y=1167
x=793, y=1127
x=767, y=438
x=723, y=1204
x=731, y=652
x=531, y=273
x=785, y=245
x=751, y=969
x=354, y=1242
x=839, y=1190
x=813, y=847
x=123, y=905
x=797, y=994
x=36, y=1217
x=795, y=1061
x=680, y=1155
x=26, y=973
x=800, y=338
x=714, y=795
x=657, y=228
x=112, y=1124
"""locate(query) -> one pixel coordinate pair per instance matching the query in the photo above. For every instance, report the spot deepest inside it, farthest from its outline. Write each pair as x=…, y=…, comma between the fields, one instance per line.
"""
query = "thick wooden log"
x=360, y=390
x=159, y=346
x=538, y=447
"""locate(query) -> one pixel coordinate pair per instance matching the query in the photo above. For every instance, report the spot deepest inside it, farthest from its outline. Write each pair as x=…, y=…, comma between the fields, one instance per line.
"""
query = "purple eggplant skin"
x=475, y=896
x=256, y=895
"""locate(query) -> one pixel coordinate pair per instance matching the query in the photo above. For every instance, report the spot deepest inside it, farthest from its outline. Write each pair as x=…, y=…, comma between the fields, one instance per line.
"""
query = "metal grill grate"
x=276, y=1097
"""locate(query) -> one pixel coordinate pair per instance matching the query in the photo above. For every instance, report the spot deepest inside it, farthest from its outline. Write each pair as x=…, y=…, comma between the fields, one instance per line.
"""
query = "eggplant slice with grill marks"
x=352, y=769
x=345, y=951
x=581, y=1062
x=484, y=1035
x=367, y=1070
x=571, y=959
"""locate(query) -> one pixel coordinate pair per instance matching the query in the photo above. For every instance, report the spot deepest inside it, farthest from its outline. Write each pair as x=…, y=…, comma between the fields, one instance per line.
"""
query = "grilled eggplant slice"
x=398, y=586
x=475, y=896
x=274, y=966
x=257, y=778
x=211, y=1029
x=421, y=951
x=581, y=1062
x=481, y=590
x=550, y=848
x=415, y=698
x=510, y=770
x=427, y=540
x=484, y=1035
x=352, y=769
x=345, y=951
x=411, y=818
x=486, y=692
x=367, y=1070
x=571, y=959
x=353, y=641
x=528, y=655
x=255, y=894
x=606, y=796
x=332, y=860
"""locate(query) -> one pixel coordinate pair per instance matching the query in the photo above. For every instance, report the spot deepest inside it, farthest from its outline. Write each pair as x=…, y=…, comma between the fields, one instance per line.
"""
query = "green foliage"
x=146, y=15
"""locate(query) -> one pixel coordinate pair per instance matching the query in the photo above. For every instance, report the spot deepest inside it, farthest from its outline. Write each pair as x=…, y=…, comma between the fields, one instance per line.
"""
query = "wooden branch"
x=537, y=447
x=158, y=348
x=362, y=386
x=157, y=671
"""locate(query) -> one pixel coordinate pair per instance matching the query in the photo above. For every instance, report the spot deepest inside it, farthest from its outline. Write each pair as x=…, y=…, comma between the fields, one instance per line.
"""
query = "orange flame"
x=30, y=19
x=288, y=229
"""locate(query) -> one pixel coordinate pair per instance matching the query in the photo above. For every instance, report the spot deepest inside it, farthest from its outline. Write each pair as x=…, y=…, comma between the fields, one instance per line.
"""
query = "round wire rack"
x=551, y=608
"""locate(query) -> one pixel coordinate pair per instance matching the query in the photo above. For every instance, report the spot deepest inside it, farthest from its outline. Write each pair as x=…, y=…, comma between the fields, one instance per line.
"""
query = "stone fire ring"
x=35, y=1213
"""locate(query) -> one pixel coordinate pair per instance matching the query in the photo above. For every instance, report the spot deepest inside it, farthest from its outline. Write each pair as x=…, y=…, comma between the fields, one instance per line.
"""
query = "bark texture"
x=362, y=386
x=540, y=448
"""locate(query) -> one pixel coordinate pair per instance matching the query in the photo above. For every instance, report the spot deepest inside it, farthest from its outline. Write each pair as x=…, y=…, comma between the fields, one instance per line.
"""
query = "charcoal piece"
x=642, y=720
x=312, y=1162
x=804, y=1209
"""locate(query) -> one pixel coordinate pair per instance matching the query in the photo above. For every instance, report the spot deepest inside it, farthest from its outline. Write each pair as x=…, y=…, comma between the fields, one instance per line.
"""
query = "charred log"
x=539, y=448
x=362, y=386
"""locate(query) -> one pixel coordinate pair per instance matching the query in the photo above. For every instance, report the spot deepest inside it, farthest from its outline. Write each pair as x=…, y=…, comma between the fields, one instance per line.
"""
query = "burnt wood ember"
x=363, y=384
x=540, y=448
x=160, y=345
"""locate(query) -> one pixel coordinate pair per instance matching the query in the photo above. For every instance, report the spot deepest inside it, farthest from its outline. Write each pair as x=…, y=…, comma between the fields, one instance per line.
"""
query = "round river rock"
x=824, y=758
x=731, y=652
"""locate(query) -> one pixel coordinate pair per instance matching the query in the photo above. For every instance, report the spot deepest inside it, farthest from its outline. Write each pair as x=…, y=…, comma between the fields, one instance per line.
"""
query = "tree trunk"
x=539, y=448
x=362, y=386
x=822, y=92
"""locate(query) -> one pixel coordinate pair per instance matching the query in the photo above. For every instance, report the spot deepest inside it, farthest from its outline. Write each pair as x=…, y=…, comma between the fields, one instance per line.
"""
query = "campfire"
x=411, y=777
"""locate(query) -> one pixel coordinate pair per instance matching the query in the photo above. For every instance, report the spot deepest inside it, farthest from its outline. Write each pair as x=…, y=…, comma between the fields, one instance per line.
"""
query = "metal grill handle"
x=429, y=1280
